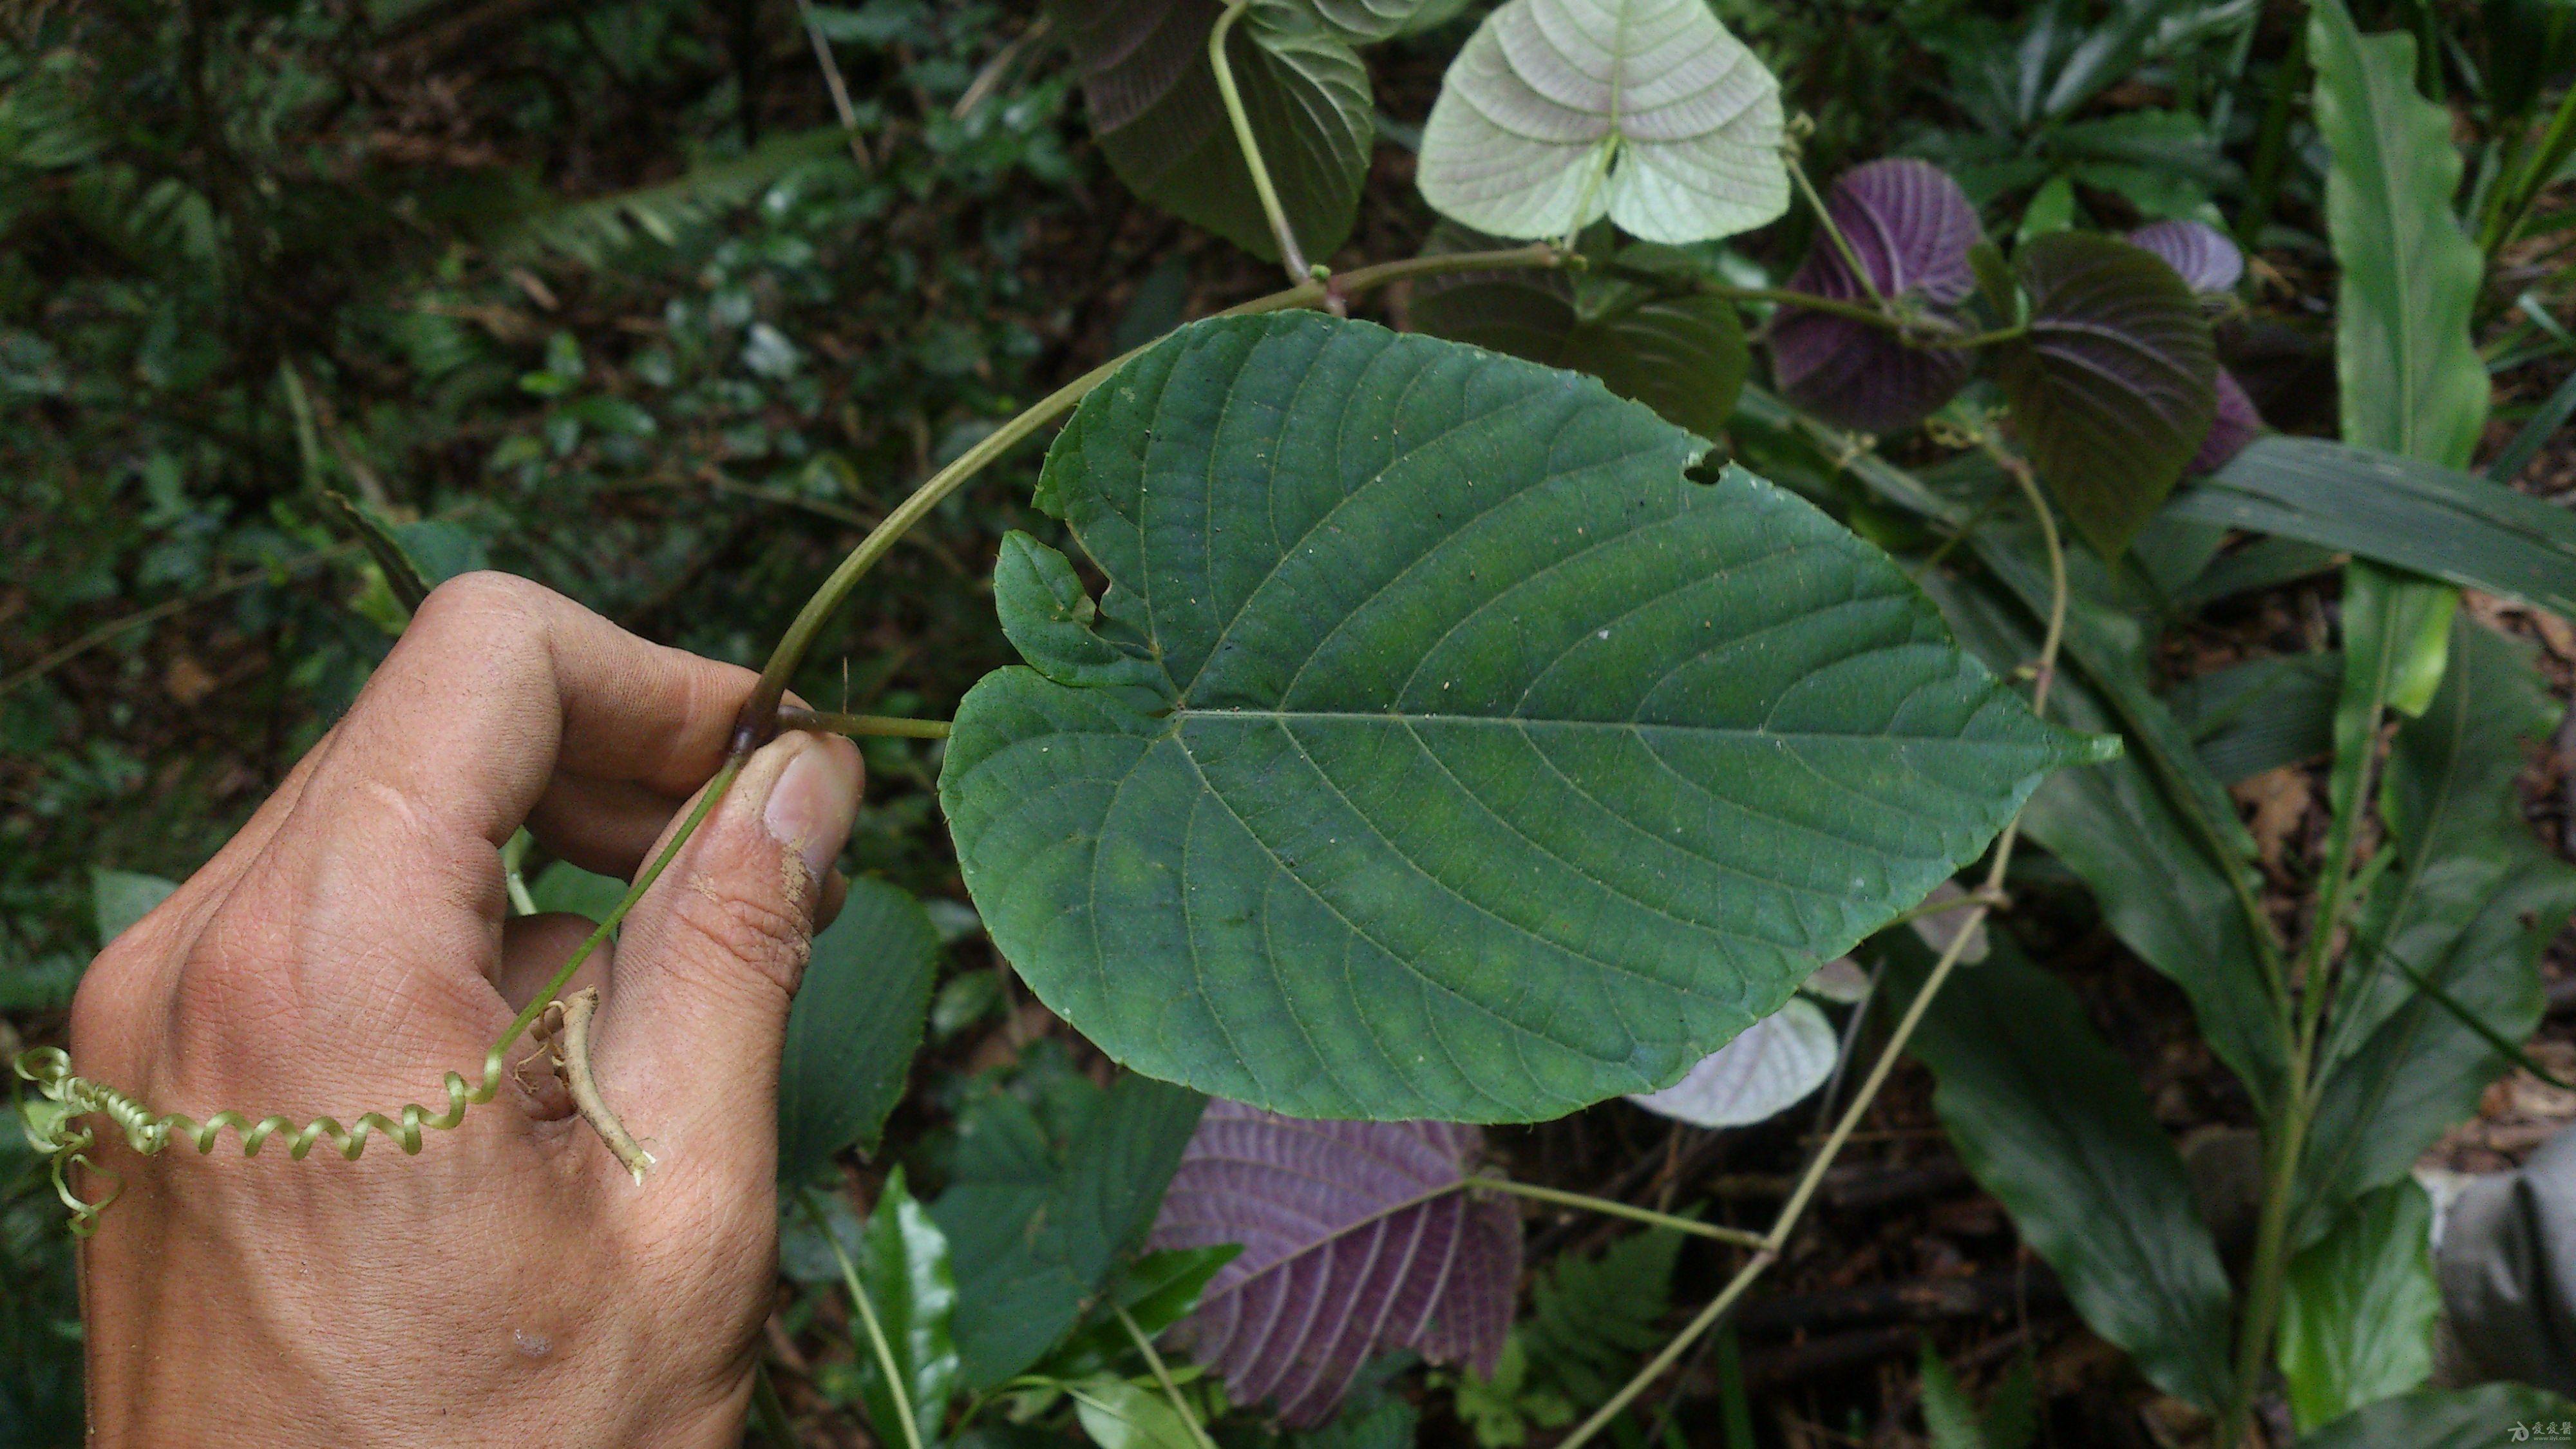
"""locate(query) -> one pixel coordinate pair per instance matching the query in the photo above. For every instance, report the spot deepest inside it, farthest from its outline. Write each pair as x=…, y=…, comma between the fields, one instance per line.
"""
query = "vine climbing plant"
x=1459, y=733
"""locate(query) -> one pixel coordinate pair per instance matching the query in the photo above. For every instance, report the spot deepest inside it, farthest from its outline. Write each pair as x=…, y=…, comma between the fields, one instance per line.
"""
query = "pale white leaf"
x=1840, y=981
x=1559, y=111
x=1940, y=928
x=1776, y=1061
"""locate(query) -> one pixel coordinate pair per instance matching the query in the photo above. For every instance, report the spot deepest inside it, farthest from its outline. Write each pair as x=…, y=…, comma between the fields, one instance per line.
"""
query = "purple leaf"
x=1357, y=1238
x=1911, y=227
x=2235, y=425
x=2207, y=260
x=2204, y=256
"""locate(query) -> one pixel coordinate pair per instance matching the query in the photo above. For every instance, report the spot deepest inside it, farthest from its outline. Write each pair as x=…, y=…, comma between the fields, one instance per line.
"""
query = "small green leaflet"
x=1441, y=747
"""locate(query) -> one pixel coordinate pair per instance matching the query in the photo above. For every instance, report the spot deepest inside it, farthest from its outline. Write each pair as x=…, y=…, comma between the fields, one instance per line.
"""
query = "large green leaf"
x=2469, y=903
x=855, y=1025
x=2358, y=1308
x=2051, y=1121
x=1036, y=1219
x=1441, y=748
x=2478, y=1418
x=2115, y=382
x=1677, y=349
x=1558, y=112
x=2411, y=379
x=1161, y=121
x=2411, y=514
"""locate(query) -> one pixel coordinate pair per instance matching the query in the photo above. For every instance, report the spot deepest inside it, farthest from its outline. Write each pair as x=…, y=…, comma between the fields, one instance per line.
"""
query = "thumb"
x=689, y=1038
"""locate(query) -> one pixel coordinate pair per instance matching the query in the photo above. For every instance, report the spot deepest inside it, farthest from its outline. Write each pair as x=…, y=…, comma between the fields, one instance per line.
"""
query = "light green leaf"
x=856, y=1023
x=1949, y=1417
x=2113, y=386
x=119, y=898
x=904, y=1267
x=1492, y=766
x=1120, y=1415
x=1035, y=1223
x=1558, y=112
x=2478, y=1418
x=1677, y=350
x=1363, y=21
x=2358, y=1308
x=2051, y=1121
x=2399, y=511
x=1155, y=108
x=2409, y=371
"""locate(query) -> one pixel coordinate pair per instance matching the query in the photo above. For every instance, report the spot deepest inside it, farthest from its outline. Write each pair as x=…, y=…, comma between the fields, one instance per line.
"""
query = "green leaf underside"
x=1439, y=748
x=1161, y=121
x=855, y=1026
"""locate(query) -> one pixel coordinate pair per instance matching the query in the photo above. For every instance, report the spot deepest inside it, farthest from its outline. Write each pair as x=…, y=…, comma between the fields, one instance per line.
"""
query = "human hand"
x=510, y=1284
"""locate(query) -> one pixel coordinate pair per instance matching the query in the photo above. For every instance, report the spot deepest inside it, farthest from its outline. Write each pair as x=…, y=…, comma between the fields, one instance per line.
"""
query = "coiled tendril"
x=53, y=1126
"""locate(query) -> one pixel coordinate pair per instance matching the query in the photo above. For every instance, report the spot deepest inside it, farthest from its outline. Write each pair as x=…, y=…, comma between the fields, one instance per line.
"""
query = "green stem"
x=768, y=1412
x=1289, y=255
x=1611, y=1207
x=760, y=712
x=1163, y=1376
x=1842, y=244
x=884, y=1351
x=1776, y=1240
x=875, y=725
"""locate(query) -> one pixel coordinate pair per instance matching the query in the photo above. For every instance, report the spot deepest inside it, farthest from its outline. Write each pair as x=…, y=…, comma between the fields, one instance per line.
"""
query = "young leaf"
x=1156, y=110
x=1912, y=228
x=2410, y=373
x=2112, y=389
x=1681, y=352
x=1557, y=112
x=2414, y=515
x=2050, y=1120
x=2359, y=1307
x=1034, y=1226
x=402, y=576
x=1774, y=1063
x=1120, y=1415
x=2475, y=1418
x=904, y=1267
x=1949, y=1416
x=1357, y=1237
x=855, y=1025
x=1491, y=765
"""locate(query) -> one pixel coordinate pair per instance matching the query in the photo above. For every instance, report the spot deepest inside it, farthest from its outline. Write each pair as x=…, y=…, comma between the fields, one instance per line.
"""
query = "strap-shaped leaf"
x=1557, y=112
x=1358, y=1238
x=2411, y=377
x=2114, y=387
x=1680, y=352
x=2414, y=515
x=1440, y=748
x=1155, y=107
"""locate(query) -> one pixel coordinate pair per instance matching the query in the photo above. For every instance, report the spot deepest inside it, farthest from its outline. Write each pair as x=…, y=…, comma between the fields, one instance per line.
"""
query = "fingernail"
x=810, y=810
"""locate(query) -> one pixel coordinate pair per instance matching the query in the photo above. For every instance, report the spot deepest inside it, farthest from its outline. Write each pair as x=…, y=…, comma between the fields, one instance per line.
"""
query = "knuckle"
x=475, y=601
x=717, y=925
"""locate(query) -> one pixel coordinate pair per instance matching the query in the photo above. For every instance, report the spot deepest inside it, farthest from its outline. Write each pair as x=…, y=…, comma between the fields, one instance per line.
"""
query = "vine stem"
x=1611, y=1207
x=880, y=726
x=1833, y=229
x=1290, y=256
x=1163, y=1376
x=877, y=1343
x=1774, y=1242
